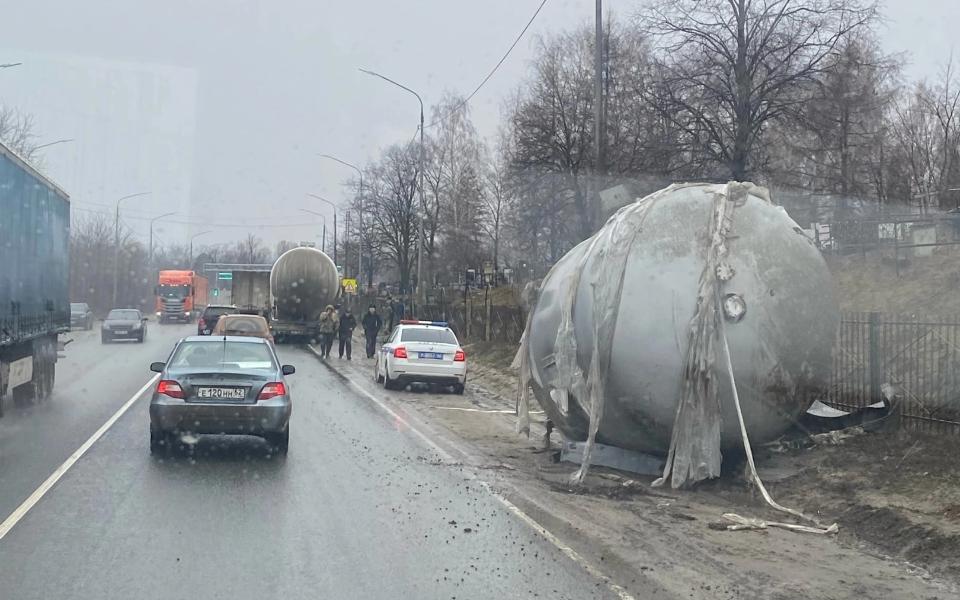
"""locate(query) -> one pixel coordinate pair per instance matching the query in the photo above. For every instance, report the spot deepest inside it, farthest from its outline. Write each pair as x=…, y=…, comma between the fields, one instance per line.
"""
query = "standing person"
x=372, y=323
x=328, y=327
x=391, y=313
x=399, y=310
x=345, y=329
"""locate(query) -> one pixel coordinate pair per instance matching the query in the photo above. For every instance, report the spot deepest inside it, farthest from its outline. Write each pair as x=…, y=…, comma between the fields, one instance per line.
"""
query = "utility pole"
x=359, y=211
x=323, y=238
x=598, y=113
x=116, y=245
x=192, y=237
x=421, y=291
x=334, y=207
x=150, y=255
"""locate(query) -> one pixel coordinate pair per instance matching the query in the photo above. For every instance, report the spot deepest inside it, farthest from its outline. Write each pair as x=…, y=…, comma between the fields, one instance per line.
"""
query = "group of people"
x=340, y=324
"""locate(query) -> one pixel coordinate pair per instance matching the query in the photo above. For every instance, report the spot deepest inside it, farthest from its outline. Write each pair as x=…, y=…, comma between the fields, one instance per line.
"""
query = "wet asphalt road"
x=361, y=508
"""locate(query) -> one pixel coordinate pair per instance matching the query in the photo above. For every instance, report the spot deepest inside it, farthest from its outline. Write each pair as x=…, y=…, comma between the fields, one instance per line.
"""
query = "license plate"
x=206, y=332
x=432, y=355
x=221, y=393
x=120, y=331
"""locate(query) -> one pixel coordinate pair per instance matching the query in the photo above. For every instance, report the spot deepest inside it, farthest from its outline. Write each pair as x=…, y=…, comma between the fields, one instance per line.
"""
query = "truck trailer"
x=34, y=278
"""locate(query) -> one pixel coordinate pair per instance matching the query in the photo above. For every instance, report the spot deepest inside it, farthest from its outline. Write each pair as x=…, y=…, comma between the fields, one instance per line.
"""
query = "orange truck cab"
x=181, y=295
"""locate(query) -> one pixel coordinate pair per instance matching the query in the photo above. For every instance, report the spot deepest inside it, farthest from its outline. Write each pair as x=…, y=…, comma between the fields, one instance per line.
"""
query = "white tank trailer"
x=780, y=346
x=303, y=282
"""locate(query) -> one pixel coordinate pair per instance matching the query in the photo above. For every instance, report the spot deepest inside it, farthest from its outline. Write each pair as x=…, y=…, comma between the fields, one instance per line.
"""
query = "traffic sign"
x=225, y=276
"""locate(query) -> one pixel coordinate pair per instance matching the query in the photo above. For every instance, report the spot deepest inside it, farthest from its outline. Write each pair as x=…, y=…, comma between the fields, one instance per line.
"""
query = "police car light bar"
x=416, y=322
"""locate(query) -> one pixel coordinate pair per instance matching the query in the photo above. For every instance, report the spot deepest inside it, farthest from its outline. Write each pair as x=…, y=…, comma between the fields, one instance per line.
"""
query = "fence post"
x=486, y=306
x=467, y=315
x=874, y=341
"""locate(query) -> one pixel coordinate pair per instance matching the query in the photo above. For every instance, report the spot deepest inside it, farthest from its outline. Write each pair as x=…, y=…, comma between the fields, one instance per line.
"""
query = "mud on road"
x=897, y=525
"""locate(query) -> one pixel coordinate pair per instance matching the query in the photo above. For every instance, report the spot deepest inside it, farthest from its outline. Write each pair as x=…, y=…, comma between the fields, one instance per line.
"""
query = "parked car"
x=421, y=352
x=214, y=385
x=81, y=316
x=243, y=325
x=124, y=324
x=210, y=315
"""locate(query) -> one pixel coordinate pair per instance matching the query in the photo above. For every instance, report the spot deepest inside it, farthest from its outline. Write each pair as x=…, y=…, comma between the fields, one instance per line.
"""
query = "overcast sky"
x=260, y=86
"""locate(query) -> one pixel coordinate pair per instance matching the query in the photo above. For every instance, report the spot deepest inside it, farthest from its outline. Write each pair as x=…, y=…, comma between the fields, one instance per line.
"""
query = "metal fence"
x=472, y=318
x=918, y=356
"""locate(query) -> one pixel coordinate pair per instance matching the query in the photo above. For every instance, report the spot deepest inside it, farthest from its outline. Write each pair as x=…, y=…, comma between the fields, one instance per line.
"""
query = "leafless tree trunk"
x=730, y=67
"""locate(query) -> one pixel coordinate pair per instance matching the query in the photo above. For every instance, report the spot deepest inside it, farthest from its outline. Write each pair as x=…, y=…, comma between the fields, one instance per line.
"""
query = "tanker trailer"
x=303, y=282
x=626, y=343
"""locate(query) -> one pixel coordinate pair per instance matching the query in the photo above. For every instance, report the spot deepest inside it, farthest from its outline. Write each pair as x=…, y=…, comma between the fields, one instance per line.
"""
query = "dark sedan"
x=221, y=385
x=81, y=316
x=210, y=315
x=123, y=324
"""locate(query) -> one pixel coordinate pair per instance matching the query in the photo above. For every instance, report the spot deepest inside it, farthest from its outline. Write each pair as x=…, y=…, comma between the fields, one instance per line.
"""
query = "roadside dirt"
x=895, y=499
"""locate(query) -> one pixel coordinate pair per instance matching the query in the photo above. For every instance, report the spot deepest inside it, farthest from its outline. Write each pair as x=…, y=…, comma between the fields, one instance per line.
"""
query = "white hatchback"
x=421, y=352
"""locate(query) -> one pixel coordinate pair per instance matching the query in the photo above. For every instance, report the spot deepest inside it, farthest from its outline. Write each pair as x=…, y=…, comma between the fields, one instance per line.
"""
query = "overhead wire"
x=200, y=223
x=494, y=70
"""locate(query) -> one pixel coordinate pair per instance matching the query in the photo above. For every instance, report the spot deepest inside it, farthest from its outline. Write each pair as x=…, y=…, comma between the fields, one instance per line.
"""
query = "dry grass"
x=926, y=285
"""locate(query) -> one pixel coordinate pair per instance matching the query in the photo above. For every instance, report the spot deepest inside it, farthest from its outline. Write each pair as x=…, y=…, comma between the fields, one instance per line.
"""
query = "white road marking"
x=506, y=411
x=570, y=553
x=38, y=493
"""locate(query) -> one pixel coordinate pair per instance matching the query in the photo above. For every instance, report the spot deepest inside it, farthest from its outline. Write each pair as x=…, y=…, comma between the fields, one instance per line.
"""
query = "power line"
x=203, y=223
x=497, y=66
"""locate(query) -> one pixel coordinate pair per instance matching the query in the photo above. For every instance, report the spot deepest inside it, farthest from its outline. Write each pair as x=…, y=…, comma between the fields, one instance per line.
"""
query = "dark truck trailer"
x=34, y=278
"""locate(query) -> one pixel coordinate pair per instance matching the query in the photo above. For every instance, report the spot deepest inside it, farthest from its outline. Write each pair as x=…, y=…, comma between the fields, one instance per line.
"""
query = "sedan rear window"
x=218, y=311
x=242, y=325
x=433, y=335
x=223, y=355
x=123, y=315
x=78, y=307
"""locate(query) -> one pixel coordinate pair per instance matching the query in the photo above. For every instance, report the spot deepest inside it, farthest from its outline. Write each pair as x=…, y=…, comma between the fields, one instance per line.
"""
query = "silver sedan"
x=221, y=385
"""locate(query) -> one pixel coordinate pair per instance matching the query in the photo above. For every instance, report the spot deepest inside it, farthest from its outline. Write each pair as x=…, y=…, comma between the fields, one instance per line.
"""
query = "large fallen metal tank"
x=303, y=282
x=649, y=267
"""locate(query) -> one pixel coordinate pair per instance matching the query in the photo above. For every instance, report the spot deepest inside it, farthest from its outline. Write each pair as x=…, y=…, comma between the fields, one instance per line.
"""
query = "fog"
x=219, y=108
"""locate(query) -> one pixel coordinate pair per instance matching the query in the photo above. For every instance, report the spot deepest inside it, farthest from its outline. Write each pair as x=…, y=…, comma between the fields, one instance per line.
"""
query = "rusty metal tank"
x=303, y=282
x=780, y=347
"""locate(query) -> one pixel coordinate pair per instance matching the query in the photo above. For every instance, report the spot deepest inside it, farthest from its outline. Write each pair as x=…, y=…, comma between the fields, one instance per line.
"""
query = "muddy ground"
x=894, y=493
x=895, y=498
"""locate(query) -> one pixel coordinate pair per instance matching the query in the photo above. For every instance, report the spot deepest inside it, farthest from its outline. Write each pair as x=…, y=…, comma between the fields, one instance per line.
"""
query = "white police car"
x=421, y=352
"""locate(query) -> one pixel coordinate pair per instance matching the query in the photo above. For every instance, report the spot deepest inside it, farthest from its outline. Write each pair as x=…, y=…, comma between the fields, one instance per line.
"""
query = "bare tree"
x=251, y=250
x=390, y=209
x=731, y=67
x=17, y=131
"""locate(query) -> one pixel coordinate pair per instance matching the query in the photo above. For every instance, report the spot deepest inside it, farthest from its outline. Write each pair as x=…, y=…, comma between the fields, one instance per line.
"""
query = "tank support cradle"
x=613, y=457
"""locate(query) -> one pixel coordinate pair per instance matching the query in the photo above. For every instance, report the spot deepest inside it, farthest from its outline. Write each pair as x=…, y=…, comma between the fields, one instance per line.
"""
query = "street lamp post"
x=150, y=255
x=334, y=207
x=359, y=212
x=421, y=290
x=323, y=239
x=196, y=235
x=116, y=243
x=64, y=141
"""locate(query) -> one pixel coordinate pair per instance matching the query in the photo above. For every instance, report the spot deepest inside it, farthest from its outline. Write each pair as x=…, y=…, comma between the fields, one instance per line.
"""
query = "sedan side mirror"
x=157, y=367
x=288, y=369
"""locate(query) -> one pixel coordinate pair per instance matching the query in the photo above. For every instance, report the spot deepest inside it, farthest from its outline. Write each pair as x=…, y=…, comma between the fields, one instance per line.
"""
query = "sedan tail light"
x=399, y=352
x=459, y=356
x=272, y=390
x=171, y=388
